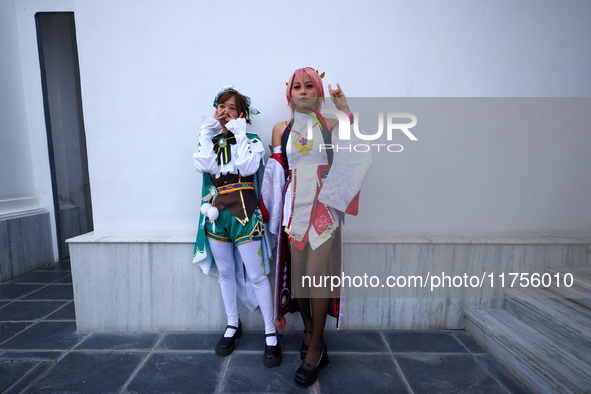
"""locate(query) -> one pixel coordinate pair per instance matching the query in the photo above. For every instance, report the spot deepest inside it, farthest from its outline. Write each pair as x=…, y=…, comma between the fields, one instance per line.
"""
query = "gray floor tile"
x=355, y=341
x=254, y=341
x=469, y=342
x=89, y=372
x=189, y=341
x=423, y=341
x=455, y=373
x=63, y=265
x=500, y=373
x=66, y=313
x=14, y=291
x=39, y=277
x=46, y=336
x=29, y=378
x=251, y=341
x=8, y=330
x=30, y=355
x=342, y=341
x=11, y=372
x=65, y=279
x=52, y=292
x=358, y=373
x=247, y=374
x=29, y=310
x=179, y=372
x=291, y=341
x=120, y=341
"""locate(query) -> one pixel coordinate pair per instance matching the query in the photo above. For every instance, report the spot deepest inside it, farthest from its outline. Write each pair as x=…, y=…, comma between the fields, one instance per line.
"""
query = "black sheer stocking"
x=312, y=301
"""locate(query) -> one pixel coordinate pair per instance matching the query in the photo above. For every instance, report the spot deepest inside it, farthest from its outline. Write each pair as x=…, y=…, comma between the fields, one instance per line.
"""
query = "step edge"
x=516, y=349
x=536, y=379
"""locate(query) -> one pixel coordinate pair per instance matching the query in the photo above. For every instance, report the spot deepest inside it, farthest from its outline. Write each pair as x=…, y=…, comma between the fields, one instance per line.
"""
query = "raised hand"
x=338, y=98
x=221, y=116
x=225, y=116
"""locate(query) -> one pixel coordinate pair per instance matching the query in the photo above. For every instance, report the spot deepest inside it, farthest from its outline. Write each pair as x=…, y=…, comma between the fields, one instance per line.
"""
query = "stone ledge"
x=480, y=240
x=23, y=213
x=472, y=240
x=133, y=283
x=25, y=242
x=132, y=239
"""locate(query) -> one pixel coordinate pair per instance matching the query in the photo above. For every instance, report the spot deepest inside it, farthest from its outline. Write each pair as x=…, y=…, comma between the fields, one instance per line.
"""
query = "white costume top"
x=346, y=176
x=303, y=162
x=245, y=156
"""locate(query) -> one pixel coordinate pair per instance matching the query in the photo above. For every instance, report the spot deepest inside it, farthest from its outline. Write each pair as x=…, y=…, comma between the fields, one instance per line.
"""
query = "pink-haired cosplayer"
x=314, y=77
x=305, y=194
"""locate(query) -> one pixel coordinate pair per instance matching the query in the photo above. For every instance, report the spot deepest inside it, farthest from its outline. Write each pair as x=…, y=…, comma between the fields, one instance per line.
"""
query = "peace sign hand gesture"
x=338, y=98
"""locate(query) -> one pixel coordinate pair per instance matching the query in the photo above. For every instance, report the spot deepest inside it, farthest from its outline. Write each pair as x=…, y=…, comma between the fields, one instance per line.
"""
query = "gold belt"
x=234, y=186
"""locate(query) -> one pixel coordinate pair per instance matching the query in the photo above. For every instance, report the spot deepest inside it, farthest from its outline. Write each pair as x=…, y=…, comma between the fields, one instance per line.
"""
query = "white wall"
x=17, y=187
x=149, y=70
x=480, y=167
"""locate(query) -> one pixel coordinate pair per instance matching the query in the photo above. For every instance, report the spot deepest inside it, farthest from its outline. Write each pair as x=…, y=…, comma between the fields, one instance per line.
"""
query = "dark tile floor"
x=40, y=351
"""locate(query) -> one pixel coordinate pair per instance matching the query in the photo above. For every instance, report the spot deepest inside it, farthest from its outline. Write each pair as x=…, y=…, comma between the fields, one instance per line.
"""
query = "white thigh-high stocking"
x=223, y=253
x=249, y=252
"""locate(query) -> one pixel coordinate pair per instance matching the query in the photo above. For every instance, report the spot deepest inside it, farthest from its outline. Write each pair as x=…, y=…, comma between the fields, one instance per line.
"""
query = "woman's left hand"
x=338, y=98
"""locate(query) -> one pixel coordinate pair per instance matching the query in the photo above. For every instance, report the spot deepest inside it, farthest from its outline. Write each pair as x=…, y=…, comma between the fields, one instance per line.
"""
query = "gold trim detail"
x=329, y=230
x=232, y=187
x=257, y=232
x=245, y=220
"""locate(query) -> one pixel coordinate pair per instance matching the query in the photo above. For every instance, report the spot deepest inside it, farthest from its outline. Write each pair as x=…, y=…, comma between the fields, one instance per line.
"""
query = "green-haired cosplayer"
x=231, y=231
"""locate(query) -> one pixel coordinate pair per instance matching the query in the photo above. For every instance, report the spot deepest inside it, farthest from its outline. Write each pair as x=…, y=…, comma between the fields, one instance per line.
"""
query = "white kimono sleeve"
x=272, y=194
x=346, y=175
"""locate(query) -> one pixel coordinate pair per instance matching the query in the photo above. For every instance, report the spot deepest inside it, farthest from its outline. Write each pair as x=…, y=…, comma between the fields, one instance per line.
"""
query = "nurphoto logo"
x=345, y=131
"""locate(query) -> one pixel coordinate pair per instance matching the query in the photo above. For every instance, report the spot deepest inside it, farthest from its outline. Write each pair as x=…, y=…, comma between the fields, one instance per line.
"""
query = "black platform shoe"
x=307, y=373
x=304, y=348
x=226, y=345
x=272, y=357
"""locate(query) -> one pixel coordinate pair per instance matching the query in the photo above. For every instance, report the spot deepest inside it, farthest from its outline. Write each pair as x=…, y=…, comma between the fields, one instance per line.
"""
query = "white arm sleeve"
x=249, y=152
x=205, y=158
x=346, y=176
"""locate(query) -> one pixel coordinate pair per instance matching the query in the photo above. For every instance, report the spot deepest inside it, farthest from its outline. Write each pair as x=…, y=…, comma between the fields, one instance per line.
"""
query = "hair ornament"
x=321, y=75
x=231, y=88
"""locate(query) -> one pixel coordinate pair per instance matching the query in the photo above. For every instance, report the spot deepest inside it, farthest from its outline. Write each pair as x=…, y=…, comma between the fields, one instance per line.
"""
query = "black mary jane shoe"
x=307, y=373
x=226, y=345
x=272, y=357
x=304, y=348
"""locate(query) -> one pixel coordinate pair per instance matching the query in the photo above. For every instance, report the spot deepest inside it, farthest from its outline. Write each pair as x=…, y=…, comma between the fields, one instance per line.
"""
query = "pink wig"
x=299, y=75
